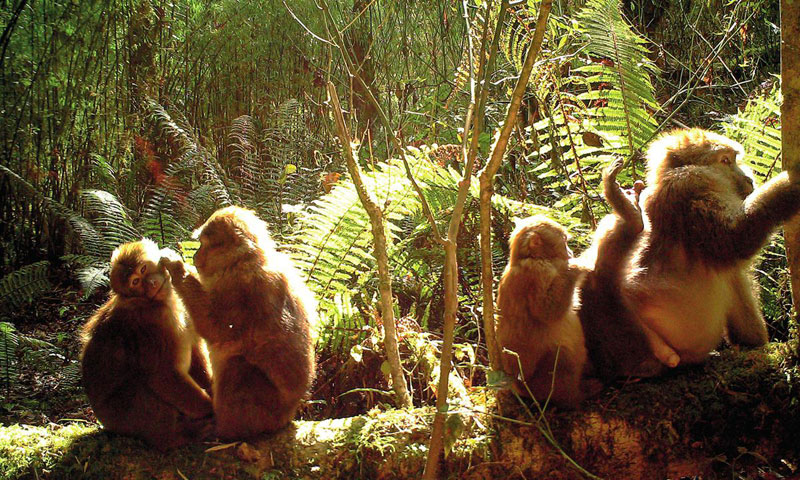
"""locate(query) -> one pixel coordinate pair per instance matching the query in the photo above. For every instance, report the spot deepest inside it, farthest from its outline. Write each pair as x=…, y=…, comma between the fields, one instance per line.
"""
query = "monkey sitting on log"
x=142, y=365
x=252, y=308
x=536, y=317
x=688, y=278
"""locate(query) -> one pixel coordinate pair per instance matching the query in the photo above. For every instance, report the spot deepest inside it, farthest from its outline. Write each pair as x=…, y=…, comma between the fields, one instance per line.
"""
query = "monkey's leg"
x=247, y=403
x=558, y=378
x=199, y=370
x=137, y=412
x=663, y=352
x=745, y=323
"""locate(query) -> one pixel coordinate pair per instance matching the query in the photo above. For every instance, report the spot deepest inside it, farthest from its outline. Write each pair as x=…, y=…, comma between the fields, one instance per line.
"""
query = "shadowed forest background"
x=128, y=119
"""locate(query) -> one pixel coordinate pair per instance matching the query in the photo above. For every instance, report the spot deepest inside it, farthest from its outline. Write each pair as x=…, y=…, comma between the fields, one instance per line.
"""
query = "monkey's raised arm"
x=692, y=211
x=770, y=205
x=198, y=369
x=197, y=303
x=624, y=206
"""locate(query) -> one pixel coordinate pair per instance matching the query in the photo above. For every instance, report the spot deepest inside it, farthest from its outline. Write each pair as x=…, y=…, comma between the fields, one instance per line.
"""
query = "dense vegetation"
x=123, y=119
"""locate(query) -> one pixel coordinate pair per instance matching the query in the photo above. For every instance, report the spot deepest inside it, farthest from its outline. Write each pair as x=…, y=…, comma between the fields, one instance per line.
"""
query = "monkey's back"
x=123, y=348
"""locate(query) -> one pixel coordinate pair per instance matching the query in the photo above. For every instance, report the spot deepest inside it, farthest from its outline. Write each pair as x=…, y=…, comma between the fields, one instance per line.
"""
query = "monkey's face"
x=724, y=161
x=217, y=249
x=541, y=238
x=698, y=147
x=136, y=273
x=230, y=235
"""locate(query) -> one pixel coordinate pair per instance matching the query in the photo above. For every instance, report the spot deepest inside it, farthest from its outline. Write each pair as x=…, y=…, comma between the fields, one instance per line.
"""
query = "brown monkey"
x=687, y=279
x=536, y=315
x=139, y=349
x=617, y=344
x=253, y=309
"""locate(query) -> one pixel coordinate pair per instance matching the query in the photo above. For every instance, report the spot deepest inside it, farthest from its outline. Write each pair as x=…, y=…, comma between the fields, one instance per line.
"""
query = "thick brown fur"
x=254, y=311
x=536, y=316
x=617, y=344
x=142, y=364
x=688, y=279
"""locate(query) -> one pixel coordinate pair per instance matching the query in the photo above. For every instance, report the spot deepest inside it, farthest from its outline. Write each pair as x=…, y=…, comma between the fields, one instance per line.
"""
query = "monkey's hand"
x=176, y=268
x=170, y=254
x=610, y=173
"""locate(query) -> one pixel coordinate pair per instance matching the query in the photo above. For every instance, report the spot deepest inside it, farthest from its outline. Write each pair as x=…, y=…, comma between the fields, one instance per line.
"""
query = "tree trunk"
x=790, y=129
x=486, y=178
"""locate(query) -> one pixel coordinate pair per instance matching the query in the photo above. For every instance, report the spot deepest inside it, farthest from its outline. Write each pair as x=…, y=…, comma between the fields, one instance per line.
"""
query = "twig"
x=486, y=178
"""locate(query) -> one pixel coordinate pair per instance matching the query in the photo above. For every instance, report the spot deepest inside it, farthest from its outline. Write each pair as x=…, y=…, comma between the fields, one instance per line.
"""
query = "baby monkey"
x=536, y=317
x=142, y=365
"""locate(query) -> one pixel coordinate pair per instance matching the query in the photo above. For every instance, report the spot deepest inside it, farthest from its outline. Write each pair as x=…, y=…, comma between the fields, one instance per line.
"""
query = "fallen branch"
x=736, y=413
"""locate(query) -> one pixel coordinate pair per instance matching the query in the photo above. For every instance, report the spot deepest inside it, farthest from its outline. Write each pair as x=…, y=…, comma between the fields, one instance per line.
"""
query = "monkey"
x=536, y=316
x=616, y=343
x=254, y=311
x=142, y=366
x=688, y=279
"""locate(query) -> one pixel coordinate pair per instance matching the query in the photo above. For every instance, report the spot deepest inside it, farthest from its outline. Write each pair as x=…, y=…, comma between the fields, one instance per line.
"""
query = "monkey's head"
x=231, y=235
x=135, y=271
x=698, y=147
x=540, y=238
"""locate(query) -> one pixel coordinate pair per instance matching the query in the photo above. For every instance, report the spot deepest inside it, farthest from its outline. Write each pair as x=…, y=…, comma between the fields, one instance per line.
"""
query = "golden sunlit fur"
x=536, y=318
x=617, y=344
x=687, y=280
x=254, y=311
x=143, y=367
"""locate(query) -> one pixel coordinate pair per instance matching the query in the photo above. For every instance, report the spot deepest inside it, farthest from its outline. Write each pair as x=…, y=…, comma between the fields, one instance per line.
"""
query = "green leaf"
x=454, y=427
x=498, y=379
x=357, y=353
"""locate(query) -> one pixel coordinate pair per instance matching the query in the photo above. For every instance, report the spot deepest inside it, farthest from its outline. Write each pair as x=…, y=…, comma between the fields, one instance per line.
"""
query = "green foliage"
x=577, y=123
x=620, y=93
x=24, y=285
x=757, y=128
x=9, y=341
x=333, y=245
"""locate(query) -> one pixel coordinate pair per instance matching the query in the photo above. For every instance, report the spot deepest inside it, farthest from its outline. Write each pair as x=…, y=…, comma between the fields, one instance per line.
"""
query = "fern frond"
x=111, y=220
x=89, y=237
x=758, y=128
x=25, y=285
x=620, y=89
x=9, y=342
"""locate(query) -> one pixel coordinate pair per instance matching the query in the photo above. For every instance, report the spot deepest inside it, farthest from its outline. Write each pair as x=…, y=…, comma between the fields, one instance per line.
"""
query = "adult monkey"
x=687, y=281
x=254, y=311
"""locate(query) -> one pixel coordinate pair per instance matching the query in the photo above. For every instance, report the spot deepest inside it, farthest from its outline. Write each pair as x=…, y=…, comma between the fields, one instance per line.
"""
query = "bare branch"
x=402, y=396
x=486, y=179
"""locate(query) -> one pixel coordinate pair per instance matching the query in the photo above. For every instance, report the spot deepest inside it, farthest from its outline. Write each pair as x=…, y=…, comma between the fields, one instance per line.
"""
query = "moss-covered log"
x=741, y=408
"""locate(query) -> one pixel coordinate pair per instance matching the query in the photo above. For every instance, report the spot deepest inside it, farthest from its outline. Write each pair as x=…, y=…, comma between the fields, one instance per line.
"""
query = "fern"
x=25, y=285
x=89, y=237
x=333, y=244
x=757, y=128
x=625, y=110
x=9, y=342
x=177, y=131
